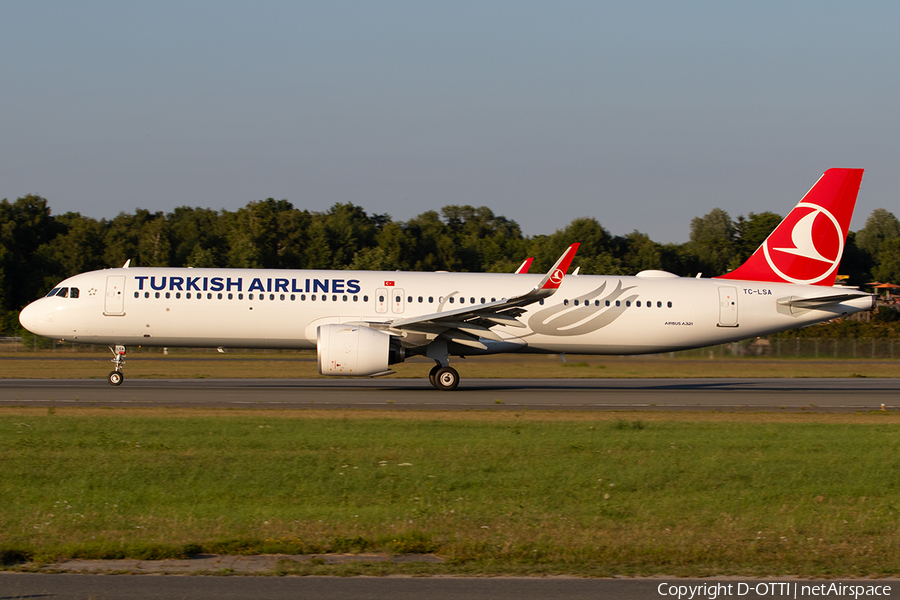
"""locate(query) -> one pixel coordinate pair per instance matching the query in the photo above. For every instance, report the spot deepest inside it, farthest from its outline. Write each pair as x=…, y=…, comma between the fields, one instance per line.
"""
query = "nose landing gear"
x=116, y=377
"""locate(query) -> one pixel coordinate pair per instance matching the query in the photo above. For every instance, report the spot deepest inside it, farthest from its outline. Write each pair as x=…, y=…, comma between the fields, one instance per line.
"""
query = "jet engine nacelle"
x=356, y=351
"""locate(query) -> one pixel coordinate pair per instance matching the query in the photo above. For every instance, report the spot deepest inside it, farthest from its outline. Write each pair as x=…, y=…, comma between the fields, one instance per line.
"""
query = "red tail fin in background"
x=806, y=246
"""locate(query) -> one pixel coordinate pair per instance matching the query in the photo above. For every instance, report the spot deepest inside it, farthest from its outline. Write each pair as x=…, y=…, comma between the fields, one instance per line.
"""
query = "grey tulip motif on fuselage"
x=562, y=320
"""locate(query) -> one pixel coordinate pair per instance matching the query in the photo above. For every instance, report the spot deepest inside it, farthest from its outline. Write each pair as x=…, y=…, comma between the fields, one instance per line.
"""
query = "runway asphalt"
x=109, y=587
x=821, y=394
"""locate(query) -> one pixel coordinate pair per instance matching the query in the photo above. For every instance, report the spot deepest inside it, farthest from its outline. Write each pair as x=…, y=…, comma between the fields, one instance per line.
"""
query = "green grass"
x=513, y=494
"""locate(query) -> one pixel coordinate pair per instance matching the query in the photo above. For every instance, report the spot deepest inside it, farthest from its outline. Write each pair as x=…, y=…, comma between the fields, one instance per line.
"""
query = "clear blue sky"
x=640, y=114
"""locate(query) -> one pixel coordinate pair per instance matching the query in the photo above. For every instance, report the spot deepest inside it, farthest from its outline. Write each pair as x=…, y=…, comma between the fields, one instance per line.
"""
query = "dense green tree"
x=887, y=268
x=78, y=247
x=750, y=233
x=640, y=253
x=597, y=254
x=199, y=238
x=348, y=230
x=386, y=254
x=480, y=238
x=25, y=225
x=855, y=264
x=142, y=238
x=712, y=242
x=428, y=245
x=881, y=226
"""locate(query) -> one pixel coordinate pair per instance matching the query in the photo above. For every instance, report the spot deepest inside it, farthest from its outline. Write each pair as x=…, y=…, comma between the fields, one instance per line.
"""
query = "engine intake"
x=355, y=351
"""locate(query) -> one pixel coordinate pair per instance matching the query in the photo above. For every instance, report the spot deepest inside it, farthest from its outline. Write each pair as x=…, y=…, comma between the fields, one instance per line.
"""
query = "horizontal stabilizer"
x=797, y=302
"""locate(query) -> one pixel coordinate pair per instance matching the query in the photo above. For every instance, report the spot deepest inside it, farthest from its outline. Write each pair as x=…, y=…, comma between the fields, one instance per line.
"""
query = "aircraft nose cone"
x=33, y=319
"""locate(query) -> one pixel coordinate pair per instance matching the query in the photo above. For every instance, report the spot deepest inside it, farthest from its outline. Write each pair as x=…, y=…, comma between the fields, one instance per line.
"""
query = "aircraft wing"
x=465, y=325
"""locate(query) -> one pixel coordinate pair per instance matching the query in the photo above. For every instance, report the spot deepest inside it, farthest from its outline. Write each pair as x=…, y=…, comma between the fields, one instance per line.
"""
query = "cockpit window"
x=63, y=292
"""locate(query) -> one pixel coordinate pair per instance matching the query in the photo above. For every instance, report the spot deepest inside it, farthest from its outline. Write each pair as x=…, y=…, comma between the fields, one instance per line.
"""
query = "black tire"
x=115, y=377
x=432, y=373
x=446, y=379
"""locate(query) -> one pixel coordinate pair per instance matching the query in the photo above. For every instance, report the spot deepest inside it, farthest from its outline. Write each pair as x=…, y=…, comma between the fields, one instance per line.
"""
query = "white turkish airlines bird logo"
x=557, y=276
x=804, y=234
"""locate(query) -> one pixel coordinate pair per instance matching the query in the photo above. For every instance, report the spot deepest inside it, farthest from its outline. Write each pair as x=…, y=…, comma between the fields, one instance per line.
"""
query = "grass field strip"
x=512, y=492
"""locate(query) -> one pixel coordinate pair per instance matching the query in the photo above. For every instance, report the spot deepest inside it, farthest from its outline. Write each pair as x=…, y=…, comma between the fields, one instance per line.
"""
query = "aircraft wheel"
x=432, y=373
x=446, y=378
x=116, y=378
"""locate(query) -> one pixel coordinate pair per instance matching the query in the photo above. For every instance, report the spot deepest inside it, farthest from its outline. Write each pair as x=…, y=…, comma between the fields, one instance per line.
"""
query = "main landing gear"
x=117, y=377
x=444, y=378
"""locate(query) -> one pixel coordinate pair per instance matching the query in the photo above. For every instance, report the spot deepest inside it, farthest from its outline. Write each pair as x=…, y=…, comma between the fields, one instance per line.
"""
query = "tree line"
x=38, y=248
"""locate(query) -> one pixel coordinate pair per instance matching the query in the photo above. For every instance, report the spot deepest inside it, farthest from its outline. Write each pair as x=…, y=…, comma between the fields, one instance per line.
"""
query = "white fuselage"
x=267, y=308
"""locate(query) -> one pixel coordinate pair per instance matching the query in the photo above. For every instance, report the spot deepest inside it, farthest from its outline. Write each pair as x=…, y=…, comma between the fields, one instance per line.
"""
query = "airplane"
x=361, y=322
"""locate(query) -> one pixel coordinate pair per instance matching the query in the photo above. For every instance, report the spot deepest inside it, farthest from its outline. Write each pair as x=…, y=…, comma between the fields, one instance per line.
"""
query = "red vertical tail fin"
x=807, y=245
